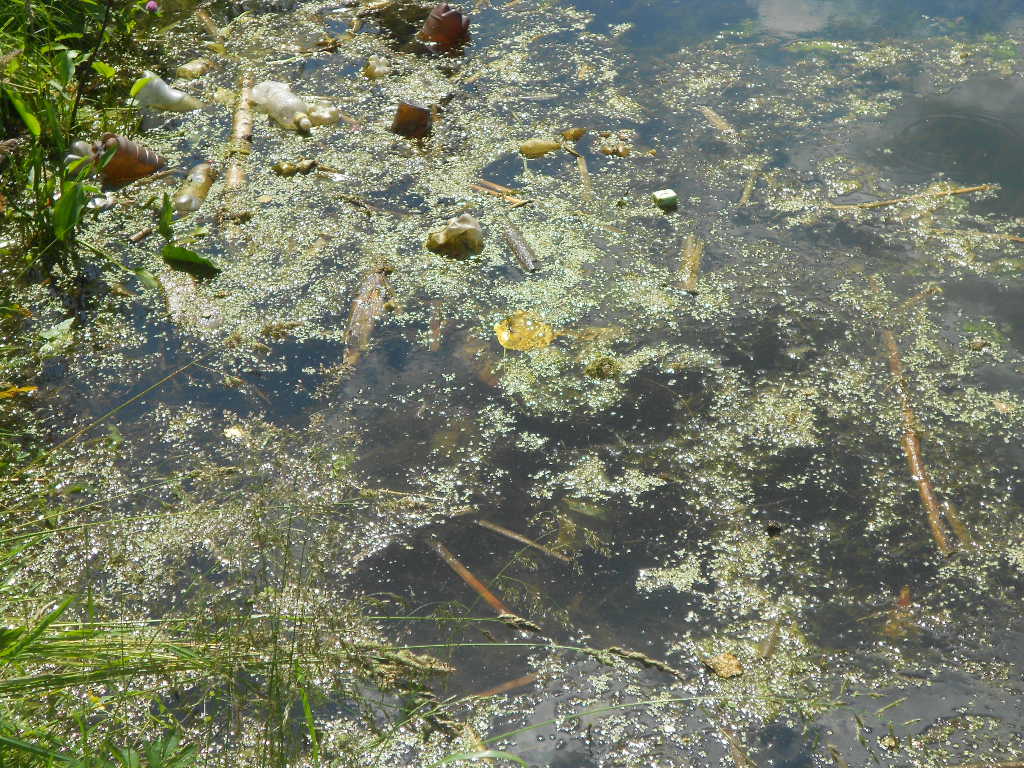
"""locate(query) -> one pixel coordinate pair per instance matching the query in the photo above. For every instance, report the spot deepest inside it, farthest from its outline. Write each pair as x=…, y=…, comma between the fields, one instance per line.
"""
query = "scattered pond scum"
x=698, y=408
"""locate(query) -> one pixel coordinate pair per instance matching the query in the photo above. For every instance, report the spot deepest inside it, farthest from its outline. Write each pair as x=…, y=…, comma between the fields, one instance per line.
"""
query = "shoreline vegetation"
x=75, y=689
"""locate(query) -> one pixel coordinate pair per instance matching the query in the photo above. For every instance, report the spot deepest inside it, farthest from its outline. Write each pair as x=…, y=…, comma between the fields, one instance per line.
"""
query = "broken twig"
x=508, y=685
x=911, y=198
x=911, y=443
x=477, y=586
x=522, y=540
x=240, y=145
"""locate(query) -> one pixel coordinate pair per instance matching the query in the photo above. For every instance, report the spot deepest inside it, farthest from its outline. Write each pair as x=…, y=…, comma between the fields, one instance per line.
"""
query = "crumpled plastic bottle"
x=281, y=103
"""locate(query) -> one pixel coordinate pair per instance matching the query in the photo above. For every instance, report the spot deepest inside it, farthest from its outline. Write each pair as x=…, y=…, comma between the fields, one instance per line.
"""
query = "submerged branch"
x=477, y=586
x=522, y=540
x=913, y=198
x=911, y=443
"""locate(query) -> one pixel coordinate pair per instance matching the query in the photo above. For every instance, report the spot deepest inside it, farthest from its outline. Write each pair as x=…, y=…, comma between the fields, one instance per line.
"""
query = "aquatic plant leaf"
x=486, y=754
x=57, y=338
x=523, y=331
x=184, y=260
x=67, y=212
x=30, y=120
x=147, y=278
x=104, y=69
x=139, y=84
x=165, y=226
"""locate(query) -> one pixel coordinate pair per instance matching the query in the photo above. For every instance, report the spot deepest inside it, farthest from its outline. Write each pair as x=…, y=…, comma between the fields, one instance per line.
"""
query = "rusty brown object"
x=130, y=160
x=414, y=121
x=478, y=586
x=445, y=26
x=367, y=308
x=911, y=444
x=240, y=145
x=508, y=685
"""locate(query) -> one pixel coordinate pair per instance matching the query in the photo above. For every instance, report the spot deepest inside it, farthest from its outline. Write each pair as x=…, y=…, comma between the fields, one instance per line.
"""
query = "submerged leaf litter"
x=721, y=458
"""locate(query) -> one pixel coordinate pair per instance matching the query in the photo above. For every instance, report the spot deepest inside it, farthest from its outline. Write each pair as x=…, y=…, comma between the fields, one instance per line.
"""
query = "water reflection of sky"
x=662, y=25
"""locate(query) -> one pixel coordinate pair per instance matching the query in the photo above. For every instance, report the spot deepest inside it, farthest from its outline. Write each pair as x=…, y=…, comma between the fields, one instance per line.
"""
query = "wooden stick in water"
x=693, y=253
x=912, y=198
x=478, y=586
x=241, y=136
x=911, y=443
x=507, y=686
x=520, y=248
x=211, y=27
x=588, y=189
x=522, y=540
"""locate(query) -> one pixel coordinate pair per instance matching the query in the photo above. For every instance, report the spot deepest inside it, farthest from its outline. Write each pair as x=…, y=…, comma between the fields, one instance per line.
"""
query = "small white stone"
x=666, y=199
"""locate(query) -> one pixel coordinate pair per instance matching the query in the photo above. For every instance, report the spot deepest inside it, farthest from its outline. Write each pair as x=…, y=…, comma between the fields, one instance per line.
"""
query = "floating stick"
x=978, y=233
x=211, y=27
x=929, y=290
x=496, y=190
x=748, y=188
x=240, y=145
x=436, y=325
x=912, y=198
x=509, y=685
x=719, y=123
x=911, y=443
x=588, y=189
x=522, y=539
x=478, y=586
x=520, y=248
x=693, y=253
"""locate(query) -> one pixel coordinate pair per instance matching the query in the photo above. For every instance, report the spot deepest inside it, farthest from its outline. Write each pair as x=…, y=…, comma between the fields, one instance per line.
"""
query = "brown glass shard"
x=412, y=121
x=445, y=26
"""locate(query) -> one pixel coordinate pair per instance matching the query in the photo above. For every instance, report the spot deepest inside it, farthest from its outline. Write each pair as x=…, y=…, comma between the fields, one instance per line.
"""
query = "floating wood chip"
x=724, y=665
x=693, y=254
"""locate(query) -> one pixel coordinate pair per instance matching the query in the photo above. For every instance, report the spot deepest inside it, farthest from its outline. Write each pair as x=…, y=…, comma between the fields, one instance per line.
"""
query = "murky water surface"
x=717, y=445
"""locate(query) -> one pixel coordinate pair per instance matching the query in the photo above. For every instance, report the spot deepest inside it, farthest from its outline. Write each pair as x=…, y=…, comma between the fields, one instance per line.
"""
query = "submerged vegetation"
x=414, y=446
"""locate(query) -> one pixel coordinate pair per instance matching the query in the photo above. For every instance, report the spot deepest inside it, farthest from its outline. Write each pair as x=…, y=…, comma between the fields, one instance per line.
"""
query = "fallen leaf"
x=523, y=331
x=13, y=391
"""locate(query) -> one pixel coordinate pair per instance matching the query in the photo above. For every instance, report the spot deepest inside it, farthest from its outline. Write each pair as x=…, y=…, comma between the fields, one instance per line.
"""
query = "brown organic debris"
x=693, y=254
x=724, y=665
x=930, y=193
x=911, y=443
x=367, y=308
x=478, y=586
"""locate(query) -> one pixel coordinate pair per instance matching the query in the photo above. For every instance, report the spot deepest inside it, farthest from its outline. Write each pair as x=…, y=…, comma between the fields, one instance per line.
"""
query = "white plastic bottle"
x=278, y=100
x=159, y=95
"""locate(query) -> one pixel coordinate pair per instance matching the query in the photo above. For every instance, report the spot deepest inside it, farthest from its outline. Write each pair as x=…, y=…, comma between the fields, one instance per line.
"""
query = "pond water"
x=715, y=442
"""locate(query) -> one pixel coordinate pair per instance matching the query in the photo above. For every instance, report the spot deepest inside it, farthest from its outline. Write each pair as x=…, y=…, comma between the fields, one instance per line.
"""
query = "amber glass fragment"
x=411, y=120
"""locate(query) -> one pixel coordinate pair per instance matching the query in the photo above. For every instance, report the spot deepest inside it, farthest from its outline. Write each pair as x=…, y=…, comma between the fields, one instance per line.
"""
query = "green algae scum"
x=590, y=481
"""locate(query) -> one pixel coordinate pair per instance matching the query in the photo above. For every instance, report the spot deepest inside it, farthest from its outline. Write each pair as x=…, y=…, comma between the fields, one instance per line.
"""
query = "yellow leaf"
x=523, y=331
x=12, y=391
